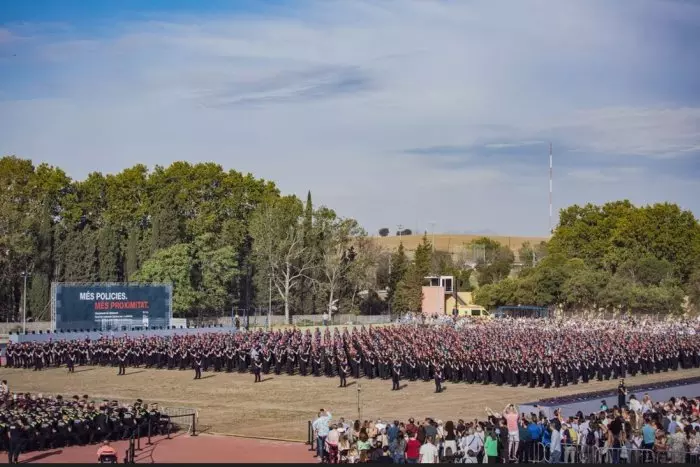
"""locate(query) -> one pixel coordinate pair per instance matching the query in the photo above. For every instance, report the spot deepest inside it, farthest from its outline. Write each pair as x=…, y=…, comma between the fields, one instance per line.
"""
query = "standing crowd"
x=637, y=431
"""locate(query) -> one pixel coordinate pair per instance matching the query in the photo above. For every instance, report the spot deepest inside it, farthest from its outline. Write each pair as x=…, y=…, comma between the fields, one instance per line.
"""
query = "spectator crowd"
x=641, y=431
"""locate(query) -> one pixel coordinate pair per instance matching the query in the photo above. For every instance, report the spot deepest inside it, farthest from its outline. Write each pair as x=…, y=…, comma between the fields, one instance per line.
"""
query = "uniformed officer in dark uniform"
x=257, y=367
x=15, y=442
x=437, y=375
x=198, y=366
x=70, y=361
x=395, y=376
x=343, y=372
x=121, y=358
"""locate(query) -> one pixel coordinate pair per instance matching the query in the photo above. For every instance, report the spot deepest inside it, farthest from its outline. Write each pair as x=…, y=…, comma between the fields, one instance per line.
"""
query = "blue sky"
x=395, y=112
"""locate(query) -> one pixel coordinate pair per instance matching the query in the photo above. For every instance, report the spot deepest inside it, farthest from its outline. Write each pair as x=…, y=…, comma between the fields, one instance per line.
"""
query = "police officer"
x=438, y=378
x=121, y=359
x=395, y=376
x=198, y=366
x=257, y=368
x=15, y=442
x=70, y=361
x=343, y=372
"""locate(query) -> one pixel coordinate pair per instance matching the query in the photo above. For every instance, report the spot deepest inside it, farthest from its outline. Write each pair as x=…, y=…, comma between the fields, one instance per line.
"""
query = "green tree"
x=497, y=262
x=580, y=290
x=693, y=288
x=218, y=269
x=109, y=254
x=306, y=282
x=131, y=261
x=646, y=270
x=80, y=256
x=397, y=271
x=39, y=288
x=529, y=254
x=166, y=226
x=173, y=265
x=409, y=294
x=277, y=233
x=336, y=255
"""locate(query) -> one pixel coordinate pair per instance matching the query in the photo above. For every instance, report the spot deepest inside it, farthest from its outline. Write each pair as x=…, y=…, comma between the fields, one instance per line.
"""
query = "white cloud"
x=325, y=99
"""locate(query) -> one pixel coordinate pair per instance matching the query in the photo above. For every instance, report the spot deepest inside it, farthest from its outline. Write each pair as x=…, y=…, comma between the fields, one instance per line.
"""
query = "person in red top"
x=411, y=428
x=106, y=453
x=412, y=450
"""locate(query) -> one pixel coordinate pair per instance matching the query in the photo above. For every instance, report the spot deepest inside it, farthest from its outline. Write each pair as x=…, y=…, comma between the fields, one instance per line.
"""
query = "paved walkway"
x=183, y=448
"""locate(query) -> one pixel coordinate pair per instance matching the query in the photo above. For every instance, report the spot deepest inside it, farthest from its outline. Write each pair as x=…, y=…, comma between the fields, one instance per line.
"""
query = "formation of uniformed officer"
x=535, y=353
x=32, y=422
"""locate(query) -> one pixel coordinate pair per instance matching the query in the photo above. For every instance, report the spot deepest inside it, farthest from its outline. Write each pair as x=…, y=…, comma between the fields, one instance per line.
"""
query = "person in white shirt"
x=428, y=452
x=555, y=445
x=634, y=404
x=471, y=445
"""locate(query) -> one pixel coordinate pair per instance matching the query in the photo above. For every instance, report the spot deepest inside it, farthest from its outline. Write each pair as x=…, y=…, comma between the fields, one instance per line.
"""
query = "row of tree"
x=223, y=239
x=228, y=240
x=615, y=257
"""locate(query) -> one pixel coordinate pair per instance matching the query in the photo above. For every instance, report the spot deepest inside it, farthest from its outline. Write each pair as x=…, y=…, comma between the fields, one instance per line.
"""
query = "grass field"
x=281, y=405
x=453, y=243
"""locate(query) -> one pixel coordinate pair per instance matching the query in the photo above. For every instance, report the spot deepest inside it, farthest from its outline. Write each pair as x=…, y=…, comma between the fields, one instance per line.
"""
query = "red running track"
x=182, y=448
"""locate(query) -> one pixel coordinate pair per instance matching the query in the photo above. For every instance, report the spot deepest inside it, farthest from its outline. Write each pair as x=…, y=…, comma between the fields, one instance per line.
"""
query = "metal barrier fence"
x=585, y=454
x=147, y=431
x=539, y=453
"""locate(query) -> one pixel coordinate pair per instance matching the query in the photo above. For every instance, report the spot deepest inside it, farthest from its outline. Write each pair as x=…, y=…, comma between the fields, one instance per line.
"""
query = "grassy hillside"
x=453, y=243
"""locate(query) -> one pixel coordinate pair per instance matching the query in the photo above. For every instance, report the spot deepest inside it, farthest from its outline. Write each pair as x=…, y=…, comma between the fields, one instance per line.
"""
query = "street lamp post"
x=24, y=275
x=269, y=302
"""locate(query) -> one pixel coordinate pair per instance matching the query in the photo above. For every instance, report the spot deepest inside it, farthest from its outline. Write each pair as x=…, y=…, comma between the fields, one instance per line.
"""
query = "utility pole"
x=359, y=404
x=269, y=302
x=432, y=230
x=25, y=275
x=550, y=190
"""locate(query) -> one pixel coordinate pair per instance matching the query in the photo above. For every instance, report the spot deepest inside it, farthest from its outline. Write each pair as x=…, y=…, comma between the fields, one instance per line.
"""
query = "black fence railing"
x=148, y=430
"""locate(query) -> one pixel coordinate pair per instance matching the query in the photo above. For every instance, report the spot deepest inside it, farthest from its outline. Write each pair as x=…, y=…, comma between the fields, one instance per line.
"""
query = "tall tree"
x=693, y=288
x=81, y=263
x=276, y=229
x=337, y=255
x=173, y=265
x=409, y=296
x=131, y=260
x=306, y=286
x=397, y=271
x=166, y=226
x=529, y=254
x=497, y=262
x=109, y=254
x=39, y=290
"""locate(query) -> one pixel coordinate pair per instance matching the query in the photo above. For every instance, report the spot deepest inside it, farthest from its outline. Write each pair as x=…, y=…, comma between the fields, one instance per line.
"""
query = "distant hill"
x=453, y=243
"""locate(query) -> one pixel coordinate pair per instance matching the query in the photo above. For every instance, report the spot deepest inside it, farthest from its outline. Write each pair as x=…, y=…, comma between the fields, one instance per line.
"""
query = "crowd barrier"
x=584, y=454
x=167, y=426
x=146, y=432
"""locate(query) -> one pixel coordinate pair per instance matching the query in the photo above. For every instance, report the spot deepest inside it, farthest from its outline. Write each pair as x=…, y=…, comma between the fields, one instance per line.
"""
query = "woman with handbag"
x=471, y=445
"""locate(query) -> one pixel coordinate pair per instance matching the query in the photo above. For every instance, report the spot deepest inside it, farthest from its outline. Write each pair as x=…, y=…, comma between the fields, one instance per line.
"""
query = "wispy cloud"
x=392, y=112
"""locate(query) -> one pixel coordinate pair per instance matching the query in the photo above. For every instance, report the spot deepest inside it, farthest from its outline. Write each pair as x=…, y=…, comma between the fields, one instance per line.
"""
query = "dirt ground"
x=280, y=406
